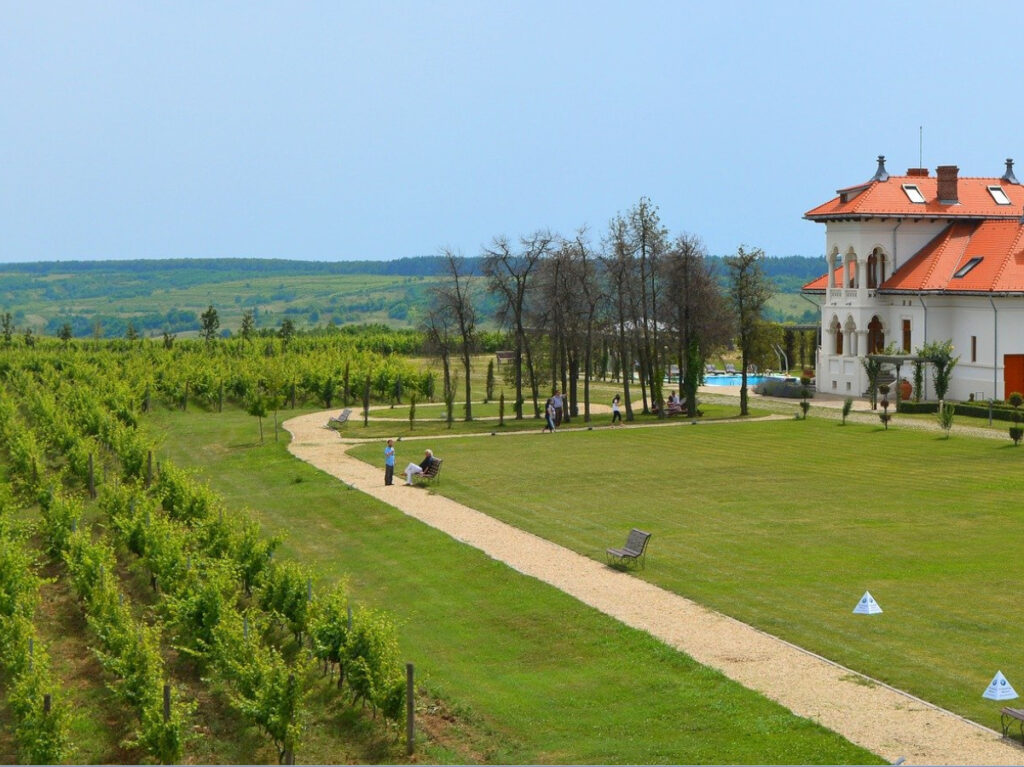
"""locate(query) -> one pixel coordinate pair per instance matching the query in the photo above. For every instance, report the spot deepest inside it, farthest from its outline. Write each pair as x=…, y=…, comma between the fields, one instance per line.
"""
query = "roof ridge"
x=966, y=237
x=1009, y=255
x=948, y=234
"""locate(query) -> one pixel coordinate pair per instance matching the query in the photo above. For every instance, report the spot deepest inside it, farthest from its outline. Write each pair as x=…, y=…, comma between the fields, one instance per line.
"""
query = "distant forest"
x=136, y=277
x=102, y=297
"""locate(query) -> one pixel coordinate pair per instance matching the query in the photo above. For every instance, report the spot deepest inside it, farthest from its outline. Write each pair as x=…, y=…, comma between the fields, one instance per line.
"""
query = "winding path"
x=887, y=721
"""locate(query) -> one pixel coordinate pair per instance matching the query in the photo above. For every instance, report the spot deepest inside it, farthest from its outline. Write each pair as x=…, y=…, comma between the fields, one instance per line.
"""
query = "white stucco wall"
x=996, y=325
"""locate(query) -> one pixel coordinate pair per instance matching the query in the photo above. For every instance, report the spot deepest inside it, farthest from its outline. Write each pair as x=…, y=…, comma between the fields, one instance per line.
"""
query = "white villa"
x=921, y=258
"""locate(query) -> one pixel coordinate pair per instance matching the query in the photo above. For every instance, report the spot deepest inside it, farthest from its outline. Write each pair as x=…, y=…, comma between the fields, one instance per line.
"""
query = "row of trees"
x=651, y=302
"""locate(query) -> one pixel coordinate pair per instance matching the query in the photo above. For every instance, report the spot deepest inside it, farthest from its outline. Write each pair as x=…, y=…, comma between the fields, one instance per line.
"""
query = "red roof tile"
x=888, y=199
x=998, y=244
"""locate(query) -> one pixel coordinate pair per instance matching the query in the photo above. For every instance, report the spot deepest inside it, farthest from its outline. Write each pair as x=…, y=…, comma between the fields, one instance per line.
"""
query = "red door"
x=1013, y=374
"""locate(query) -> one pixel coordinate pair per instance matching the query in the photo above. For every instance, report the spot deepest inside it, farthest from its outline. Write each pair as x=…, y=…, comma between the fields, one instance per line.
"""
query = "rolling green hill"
x=100, y=298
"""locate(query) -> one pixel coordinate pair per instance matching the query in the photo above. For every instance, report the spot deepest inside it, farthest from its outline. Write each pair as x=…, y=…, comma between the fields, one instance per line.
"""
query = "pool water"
x=734, y=380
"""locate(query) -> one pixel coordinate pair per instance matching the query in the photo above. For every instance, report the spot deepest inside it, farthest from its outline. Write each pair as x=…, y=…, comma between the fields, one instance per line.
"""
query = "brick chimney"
x=947, y=184
x=922, y=172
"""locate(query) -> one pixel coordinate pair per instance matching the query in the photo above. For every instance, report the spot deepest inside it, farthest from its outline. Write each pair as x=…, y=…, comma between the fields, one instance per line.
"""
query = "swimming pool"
x=727, y=379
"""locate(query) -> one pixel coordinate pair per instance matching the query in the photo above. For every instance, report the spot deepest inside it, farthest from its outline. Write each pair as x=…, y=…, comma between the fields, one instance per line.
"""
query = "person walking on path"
x=616, y=412
x=549, y=416
x=389, y=462
x=557, y=403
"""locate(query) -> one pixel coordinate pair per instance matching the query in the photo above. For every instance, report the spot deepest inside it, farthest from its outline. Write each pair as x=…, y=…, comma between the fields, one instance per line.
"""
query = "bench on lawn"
x=429, y=474
x=336, y=422
x=505, y=357
x=1007, y=717
x=634, y=551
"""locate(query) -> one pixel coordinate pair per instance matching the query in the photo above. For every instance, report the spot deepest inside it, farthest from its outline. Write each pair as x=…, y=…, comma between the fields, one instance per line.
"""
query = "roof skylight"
x=999, y=195
x=971, y=263
x=913, y=193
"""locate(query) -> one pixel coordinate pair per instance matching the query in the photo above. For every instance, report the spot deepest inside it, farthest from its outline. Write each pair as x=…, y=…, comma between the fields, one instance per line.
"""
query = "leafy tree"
x=366, y=402
x=168, y=339
x=210, y=323
x=286, y=333
x=7, y=324
x=257, y=405
x=131, y=333
x=873, y=369
x=749, y=291
x=695, y=302
x=805, y=392
x=248, y=327
x=940, y=355
x=918, y=378
x=945, y=417
x=489, y=386
x=1016, y=431
x=65, y=334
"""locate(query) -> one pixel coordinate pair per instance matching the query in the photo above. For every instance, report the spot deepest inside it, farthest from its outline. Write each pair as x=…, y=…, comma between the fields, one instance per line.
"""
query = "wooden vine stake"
x=410, y=710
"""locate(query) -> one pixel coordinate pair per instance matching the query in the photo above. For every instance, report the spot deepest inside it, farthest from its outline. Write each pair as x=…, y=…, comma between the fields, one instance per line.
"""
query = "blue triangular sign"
x=867, y=605
x=999, y=688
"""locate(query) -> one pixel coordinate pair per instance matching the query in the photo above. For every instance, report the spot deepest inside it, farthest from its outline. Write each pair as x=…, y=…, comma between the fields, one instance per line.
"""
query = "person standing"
x=556, y=403
x=616, y=412
x=389, y=462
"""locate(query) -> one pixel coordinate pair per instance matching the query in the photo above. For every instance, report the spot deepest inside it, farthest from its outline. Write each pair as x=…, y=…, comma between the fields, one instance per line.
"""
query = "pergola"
x=898, y=360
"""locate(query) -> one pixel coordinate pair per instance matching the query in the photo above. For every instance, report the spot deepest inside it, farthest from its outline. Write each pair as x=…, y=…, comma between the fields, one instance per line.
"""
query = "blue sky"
x=337, y=131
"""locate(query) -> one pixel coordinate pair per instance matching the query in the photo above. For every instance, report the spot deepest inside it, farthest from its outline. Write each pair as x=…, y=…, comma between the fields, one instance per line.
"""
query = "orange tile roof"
x=999, y=244
x=888, y=199
x=819, y=285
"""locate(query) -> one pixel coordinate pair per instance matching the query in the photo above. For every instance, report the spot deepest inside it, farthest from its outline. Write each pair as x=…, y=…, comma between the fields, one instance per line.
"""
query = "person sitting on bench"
x=675, y=405
x=419, y=468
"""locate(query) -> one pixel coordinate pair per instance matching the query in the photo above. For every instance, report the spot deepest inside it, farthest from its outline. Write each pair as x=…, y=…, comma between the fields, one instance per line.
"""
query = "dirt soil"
x=886, y=721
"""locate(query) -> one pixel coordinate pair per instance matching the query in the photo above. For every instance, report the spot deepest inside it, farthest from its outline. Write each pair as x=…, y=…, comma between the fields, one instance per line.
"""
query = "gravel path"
x=888, y=722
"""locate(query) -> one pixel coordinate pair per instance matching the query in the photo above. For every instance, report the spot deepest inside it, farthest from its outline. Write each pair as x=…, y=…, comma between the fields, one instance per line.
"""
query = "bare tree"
x=749, y=291
x=509, y=277
x=649, y=244
x=437, y=331
x=618, y=262
x=453, y=296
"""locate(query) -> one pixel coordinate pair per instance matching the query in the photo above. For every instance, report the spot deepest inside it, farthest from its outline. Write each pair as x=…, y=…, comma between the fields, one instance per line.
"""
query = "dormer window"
x=999, y=195
x=913, y=193
x=971, y=263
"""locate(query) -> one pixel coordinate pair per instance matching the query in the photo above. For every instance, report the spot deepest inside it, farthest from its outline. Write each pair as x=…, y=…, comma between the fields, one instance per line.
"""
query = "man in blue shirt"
x=389, y=462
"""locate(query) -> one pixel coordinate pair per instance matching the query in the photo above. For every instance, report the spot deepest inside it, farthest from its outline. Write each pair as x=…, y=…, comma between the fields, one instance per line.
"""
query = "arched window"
x=873, y=269
x=837, y=332
x=876, y=336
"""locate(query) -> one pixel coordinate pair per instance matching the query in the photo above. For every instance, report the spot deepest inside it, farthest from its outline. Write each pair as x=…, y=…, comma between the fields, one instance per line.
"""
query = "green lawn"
x=532, y=675
x=785, y=524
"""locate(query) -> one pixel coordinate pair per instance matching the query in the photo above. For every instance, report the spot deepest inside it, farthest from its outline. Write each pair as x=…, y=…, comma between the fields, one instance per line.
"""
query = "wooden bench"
x=429, y=474
x=634, y=551
x=505, y=357
x=1007, y=717
x=336, y=422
